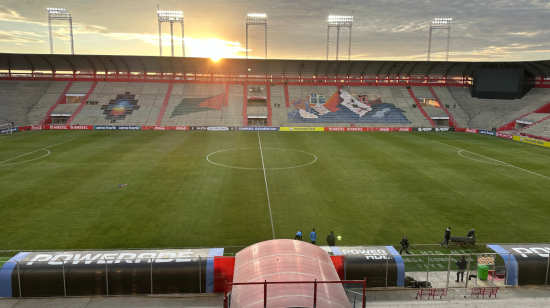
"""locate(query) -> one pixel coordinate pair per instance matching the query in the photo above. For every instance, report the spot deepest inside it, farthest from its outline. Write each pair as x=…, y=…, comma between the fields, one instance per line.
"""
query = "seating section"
x=357, y=106
x=540, y=128
x=189, y=104
x=149, y=96
x=18, y=97
x=46, y=101
x=493, y=113
x=204, y=105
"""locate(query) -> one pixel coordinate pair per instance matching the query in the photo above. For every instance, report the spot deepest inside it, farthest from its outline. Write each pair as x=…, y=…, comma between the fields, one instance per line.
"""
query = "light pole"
x=59, y=14
x=171, y=17
x=339, y=21
x=440, y=23
x=254, y=19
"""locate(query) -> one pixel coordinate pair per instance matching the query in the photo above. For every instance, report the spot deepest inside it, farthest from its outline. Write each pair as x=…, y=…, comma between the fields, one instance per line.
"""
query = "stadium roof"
x=179, y=65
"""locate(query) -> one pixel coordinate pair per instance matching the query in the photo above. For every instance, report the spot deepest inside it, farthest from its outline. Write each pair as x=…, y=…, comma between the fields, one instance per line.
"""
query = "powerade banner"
x=527, y=263
x=370, y=262
x=165, y=128
x=433, y=129
x=255, y=128
x=69, y=127
x=487, y=132
x=112, y=127
x=501, y=135
x=532, y=141
x=125, y=272
x=302, y=129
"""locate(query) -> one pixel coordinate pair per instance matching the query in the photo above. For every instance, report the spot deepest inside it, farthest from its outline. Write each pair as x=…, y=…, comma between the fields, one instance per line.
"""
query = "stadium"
x=257, y=182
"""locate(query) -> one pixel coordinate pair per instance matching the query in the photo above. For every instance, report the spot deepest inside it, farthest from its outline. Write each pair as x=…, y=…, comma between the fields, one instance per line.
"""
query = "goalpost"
x=6, y=129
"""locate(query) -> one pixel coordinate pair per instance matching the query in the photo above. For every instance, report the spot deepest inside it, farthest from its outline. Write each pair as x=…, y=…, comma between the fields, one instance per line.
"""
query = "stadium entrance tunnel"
x=285, y=261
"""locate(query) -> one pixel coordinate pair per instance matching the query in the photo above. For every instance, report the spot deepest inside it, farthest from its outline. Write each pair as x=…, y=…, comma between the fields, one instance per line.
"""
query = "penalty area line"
x=503, y=163
x=42, y=149
x=266, y=189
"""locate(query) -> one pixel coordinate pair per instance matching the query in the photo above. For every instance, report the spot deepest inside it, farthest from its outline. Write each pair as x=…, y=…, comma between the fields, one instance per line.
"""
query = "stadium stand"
x=488, y=114
x=18, y=97
x=46, y=101
x=540, y=128
x=278, y=106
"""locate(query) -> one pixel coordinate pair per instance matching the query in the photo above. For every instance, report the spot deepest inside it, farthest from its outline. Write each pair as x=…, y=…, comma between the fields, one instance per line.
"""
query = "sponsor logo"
x=256, y=128
x=57, y=127
x=79, y=127
x=110, y=258
x=532, y=141
x=217, y=128
x=384, y=129
x=524, y=252
x=181, y=128
x=368, y=253
x=487, y=132
x=198, y=128
x=442, y=129
x=105, y=127
x=404, y=129
x=38, y=127
x=425, y=129
x=303, y=129
x=471, y=130
x=129, y=127
x=501, y=135
x=256, y=97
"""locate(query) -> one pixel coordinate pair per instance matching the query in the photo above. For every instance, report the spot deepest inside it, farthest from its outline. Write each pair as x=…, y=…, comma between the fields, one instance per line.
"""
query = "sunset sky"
x=482, y=30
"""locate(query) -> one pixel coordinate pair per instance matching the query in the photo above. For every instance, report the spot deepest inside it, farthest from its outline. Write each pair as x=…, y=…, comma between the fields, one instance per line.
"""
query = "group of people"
x=446, y=237
x=331, y=239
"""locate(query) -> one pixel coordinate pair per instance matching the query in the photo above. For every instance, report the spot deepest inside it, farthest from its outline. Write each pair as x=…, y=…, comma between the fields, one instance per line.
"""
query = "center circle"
x=243, y=158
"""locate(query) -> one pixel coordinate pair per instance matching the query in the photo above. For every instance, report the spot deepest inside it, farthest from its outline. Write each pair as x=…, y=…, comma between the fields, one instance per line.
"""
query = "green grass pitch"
x=370, y=188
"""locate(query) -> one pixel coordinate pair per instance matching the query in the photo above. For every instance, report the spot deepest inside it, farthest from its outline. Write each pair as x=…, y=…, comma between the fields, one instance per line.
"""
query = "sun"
x=213, y=48
x=215, y=58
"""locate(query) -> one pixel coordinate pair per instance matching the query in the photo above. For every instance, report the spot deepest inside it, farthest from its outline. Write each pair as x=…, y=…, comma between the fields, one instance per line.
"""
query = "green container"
x=482, y=272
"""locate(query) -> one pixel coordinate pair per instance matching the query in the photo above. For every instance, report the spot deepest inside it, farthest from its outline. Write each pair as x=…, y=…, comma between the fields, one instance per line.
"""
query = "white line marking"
x=42, y=149
x=478, y=159
x=291, y=167
x=267, y=191
x=503, y=163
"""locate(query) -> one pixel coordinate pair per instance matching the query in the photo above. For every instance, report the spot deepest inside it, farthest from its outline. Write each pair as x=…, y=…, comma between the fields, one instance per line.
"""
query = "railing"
x=229, y=285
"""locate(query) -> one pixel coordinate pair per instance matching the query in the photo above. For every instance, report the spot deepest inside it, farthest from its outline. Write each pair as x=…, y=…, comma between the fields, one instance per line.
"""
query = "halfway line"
x=266, y=189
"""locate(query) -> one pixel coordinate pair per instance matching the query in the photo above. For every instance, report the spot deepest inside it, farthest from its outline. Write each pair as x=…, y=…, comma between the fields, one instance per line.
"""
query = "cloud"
x=10, y=15
x=19, y=37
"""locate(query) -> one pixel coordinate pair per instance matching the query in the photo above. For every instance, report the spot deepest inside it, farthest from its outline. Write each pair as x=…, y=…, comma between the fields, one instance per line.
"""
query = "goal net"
x=6, y=129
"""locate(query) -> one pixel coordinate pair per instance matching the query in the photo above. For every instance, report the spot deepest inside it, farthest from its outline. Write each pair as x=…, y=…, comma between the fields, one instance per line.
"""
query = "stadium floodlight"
x=339, y=21
x=171, y=17
x=256, y=19
x=59, y=14
x=440, y=23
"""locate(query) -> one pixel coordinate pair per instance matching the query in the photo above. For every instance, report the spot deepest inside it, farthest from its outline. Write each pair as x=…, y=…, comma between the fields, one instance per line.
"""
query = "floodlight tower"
x=339, y=21
x=254, y=19
x=59, y=14
x=171, y=17
x=440, y=23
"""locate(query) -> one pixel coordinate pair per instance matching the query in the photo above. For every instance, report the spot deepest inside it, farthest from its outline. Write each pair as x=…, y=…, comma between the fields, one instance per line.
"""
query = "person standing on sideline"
x=404, y=245
x=331, y=239
x=446, y=237
x=472, y=233
x=298, y=236
x=313, y=236
x=462, y=264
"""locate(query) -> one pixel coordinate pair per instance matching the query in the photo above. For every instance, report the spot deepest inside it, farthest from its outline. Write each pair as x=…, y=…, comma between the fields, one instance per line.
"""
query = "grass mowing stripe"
x=266, y=189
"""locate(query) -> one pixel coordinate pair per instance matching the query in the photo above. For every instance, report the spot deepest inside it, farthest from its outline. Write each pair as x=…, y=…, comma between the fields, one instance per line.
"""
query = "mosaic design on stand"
x=192, y=105
x=120, y=107
x=342, y=107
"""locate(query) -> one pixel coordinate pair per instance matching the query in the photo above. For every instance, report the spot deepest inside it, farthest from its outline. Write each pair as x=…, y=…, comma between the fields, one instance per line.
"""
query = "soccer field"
x=58, y=189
